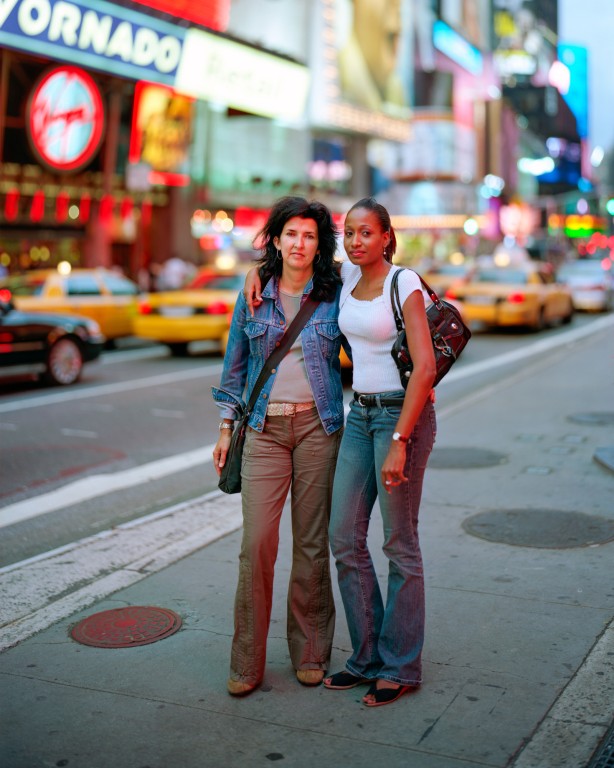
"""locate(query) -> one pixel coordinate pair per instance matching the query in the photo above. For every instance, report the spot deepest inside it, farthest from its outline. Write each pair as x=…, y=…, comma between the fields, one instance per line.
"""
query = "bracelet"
x=226, y=425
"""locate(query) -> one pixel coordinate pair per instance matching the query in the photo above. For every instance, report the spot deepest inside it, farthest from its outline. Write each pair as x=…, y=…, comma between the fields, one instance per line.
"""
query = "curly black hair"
x=371, y=204
x=325, y=272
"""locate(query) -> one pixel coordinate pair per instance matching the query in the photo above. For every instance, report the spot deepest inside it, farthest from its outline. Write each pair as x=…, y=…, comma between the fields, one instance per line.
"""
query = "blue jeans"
x=387, y=638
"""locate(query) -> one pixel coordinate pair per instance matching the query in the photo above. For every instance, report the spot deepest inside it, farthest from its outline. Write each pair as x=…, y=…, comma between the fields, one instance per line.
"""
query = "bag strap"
x=293, y=330
x=395, y=299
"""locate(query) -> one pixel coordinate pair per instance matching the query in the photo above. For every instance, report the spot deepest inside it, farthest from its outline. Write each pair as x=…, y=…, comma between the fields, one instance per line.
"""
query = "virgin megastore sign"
x=96, y=34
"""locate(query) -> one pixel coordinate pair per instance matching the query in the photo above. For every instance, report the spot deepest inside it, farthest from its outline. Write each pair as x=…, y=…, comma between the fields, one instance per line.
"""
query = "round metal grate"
x=602, y=419
x=604, y=754
x=465, y=458
x=540, y=528
x=126, y=627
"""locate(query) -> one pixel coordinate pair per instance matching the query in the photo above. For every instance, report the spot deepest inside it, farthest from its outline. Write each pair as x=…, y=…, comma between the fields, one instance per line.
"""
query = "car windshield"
x=218, y=282
x=502, y=276
x=581, y=268
x=82, y=285
x=120, y=286
x=450, y=269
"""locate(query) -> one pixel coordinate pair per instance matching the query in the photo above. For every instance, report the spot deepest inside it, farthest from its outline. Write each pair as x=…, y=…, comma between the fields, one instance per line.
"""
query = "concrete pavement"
x=518, y=661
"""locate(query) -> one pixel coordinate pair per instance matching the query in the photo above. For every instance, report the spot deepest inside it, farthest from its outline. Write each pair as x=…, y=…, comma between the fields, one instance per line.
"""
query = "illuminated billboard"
x=234, y=75
x=361, y=65
x=96, y=34
x=208, y=13
x=525, y=38
x=456, y=48
x=575, y=58
x=161, y=132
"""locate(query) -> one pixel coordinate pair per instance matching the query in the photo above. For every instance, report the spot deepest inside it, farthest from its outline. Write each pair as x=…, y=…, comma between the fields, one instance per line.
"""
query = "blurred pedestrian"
x=291, y=443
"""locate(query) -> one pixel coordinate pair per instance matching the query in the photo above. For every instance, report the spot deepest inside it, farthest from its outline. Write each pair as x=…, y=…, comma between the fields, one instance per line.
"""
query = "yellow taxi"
x=526, y=296
x=101, y=294
x=199, y=312
x=441, y=277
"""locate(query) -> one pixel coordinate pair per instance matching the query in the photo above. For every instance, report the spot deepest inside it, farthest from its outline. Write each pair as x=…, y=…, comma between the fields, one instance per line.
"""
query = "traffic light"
x=609, y=206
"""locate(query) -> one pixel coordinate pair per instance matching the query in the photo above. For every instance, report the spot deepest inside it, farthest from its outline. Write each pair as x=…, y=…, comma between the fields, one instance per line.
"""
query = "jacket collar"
x=271, y=289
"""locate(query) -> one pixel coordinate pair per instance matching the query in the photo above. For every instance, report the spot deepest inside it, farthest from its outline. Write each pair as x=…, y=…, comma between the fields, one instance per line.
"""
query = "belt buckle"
x=360, y=402
x=289, y=409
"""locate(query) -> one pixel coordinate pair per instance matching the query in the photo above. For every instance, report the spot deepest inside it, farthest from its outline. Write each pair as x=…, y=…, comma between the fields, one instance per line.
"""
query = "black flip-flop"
x=387, y=695
x=343, y=681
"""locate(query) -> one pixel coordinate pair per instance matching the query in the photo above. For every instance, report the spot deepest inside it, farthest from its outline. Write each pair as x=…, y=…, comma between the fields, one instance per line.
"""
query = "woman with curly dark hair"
x=291, y=443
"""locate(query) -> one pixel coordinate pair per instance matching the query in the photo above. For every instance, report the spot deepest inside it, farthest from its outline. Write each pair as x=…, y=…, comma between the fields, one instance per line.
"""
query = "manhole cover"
x=603, y=419
x=126, y=627
x=540, y=528
x=465, y=458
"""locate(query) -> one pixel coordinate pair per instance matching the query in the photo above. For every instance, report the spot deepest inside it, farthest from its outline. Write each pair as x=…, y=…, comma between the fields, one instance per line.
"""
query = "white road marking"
x=167, y=414
x=537, y=348
x=37, y=592
x=109, y=389
x=99, y=485
x=79, y=433
x=97, y=407
x=124, y=355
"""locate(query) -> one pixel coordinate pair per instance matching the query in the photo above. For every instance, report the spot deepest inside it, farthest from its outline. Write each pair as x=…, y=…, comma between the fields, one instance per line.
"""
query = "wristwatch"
x=400, y=438
x=226, y=425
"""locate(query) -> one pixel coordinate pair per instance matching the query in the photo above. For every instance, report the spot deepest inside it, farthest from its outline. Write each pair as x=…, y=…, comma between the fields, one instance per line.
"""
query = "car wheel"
x=540, y=320
x=180, y=349
x=64, y=362
x=569, y=316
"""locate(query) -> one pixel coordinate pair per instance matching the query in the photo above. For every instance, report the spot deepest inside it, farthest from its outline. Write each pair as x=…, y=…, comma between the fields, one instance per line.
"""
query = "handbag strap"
x=293, y=330
x=395, y=299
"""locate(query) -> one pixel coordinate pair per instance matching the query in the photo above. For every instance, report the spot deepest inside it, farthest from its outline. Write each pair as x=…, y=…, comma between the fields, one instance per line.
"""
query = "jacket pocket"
x=257, y=334
x=329, y=337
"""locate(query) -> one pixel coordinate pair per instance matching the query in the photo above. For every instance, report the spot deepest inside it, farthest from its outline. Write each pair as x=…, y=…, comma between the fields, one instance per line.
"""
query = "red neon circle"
x=51, y=123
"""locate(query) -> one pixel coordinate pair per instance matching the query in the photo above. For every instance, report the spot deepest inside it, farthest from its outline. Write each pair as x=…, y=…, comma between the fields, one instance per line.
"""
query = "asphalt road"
x=135, y=436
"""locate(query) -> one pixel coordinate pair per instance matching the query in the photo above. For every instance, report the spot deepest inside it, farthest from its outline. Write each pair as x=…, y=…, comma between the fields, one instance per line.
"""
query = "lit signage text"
x=456, y=48
x=237, y=76
x=94, y=33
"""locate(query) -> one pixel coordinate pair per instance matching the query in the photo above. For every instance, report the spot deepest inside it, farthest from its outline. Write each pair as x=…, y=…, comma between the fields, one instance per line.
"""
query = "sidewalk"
x=518, y=664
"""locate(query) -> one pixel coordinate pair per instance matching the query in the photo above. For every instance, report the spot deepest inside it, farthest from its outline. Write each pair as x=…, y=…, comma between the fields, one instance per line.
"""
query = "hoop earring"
x=278, y=253
x=318, y=257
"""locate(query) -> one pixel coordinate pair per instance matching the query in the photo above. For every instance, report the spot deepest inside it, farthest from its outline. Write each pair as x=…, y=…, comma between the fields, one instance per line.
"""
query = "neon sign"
x=455, y=47
x=65, y=119
x=161, y=132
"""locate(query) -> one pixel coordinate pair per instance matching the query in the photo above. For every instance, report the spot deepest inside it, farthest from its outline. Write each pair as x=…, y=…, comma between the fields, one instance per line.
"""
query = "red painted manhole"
x=126, y=627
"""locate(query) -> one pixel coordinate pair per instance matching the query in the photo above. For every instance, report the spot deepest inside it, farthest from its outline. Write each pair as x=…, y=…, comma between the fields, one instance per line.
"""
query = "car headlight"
x=93, y=328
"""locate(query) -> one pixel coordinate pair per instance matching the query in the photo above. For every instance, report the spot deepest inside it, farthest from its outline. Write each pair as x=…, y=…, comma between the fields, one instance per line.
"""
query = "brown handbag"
x=448, y=332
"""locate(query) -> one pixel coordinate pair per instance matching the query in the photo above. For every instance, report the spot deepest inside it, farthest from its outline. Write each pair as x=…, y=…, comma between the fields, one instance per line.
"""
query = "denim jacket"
x=253, y=339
